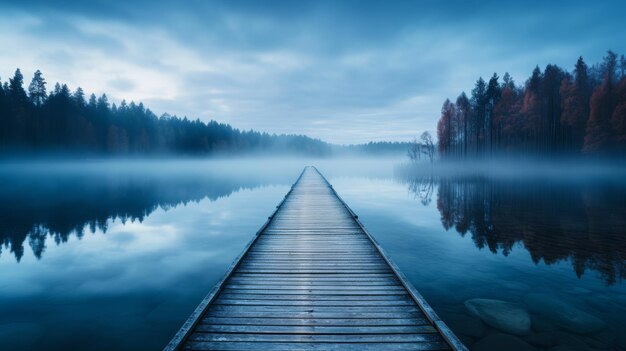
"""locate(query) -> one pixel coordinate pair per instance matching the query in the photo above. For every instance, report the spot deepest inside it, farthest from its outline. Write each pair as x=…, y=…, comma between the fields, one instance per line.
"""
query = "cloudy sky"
x=343, y=71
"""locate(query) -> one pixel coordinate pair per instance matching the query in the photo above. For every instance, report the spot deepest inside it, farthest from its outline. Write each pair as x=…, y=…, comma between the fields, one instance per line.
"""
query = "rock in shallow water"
x=505, y=316
x=563, y=315
x=502, y=342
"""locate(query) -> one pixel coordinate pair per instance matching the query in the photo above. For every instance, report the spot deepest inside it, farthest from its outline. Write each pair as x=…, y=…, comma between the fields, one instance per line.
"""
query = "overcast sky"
x=343, y=71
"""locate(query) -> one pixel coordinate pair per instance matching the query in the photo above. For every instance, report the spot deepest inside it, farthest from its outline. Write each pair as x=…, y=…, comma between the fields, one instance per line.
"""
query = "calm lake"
x=105, y=255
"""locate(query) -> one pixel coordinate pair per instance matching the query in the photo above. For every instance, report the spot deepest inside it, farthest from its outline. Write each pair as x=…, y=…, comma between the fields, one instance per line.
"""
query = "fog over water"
x=115, y=254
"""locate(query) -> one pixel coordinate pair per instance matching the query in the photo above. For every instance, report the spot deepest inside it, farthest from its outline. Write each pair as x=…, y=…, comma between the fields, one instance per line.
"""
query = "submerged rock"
x=563, y=315
x=505, y=316
x=501, y=341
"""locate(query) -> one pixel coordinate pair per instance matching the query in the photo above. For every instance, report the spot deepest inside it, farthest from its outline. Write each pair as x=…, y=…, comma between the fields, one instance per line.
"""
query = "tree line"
x=35, y=121
x=556, y=113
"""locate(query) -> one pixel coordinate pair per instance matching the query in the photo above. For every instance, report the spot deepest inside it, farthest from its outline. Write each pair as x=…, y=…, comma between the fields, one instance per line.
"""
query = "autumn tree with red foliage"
x=599, y=136
x=444, y=129
x=555, y=113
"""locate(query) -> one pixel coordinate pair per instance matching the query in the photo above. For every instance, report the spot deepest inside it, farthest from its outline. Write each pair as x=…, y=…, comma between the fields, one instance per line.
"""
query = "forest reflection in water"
x=583, y=222
x=192, y=218
x=42, y=201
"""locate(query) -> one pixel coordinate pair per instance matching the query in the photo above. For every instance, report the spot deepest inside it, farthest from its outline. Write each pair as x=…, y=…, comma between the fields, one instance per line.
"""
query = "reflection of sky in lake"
x=133, y=286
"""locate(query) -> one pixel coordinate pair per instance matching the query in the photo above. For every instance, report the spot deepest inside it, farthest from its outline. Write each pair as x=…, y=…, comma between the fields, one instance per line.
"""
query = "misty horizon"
x=312, y=175
x=300, y=68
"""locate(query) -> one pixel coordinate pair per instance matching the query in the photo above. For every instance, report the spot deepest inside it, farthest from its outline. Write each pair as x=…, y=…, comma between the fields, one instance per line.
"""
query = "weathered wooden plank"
x=313, y=279
x=310, y=288
x=356, y=280
x=307, y=329
x=327, y=338
x=311, y=303
x=275, y=346
x=323, y=275
x=314, y=291
x=318, y=277
x=316, y=321
x=297, y=256
x=349, y=264
x=315, y=250
x=258, y=284
x=312, y=313
x=311, y=271
x=386, y=309
x=300, y=261
x=314, y=267
x=313, y=297
x=363, y=338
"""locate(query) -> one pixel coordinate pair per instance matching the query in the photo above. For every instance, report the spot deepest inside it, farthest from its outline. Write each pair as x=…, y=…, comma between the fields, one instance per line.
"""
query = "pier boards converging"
x=313, y=279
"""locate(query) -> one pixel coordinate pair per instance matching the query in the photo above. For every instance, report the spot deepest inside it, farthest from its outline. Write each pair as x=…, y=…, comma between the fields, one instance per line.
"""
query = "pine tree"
x=79, y=97
x=477, y=124
x=18, y=128
x=16, y=87
x=575, y=99
x=551, y=101
x=609, y=67
x=103, y=103
x=531, y=111
x=581, y=78
x=492, y=96
x=92, y=101
x=507, y=81
x=37, y=89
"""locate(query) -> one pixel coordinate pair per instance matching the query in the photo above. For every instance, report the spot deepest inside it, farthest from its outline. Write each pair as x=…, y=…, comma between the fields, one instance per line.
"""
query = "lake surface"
x=116, y=255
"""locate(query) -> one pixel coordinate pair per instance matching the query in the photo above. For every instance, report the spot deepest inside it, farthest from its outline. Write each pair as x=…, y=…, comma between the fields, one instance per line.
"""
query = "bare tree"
x=427, y=147
x=415, y=151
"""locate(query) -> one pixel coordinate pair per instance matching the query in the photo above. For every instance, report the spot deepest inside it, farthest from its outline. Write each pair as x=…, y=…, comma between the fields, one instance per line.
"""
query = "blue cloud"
x=345, y=71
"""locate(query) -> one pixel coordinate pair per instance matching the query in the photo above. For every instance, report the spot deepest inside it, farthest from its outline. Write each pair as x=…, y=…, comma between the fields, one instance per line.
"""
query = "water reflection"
x=34, y=207
x=582, y=222
x=132, y=288
x=60, y=199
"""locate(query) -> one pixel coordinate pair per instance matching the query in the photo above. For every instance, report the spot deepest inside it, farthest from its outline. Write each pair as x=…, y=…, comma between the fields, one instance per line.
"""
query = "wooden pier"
x=313, y=279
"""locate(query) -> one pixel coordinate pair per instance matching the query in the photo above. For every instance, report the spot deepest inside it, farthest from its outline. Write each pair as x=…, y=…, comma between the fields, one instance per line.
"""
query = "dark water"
x=103, y=255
